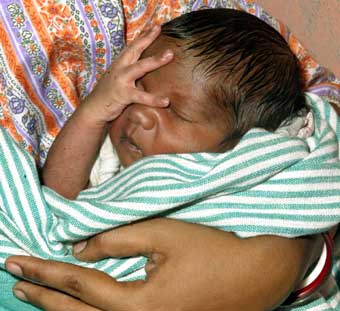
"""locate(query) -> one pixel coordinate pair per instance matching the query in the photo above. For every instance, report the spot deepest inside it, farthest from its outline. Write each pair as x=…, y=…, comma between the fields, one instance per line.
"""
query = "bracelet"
x=316, y=278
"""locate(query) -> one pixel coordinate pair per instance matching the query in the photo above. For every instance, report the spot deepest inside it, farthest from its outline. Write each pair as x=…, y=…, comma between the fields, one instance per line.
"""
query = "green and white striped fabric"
x=269, y=183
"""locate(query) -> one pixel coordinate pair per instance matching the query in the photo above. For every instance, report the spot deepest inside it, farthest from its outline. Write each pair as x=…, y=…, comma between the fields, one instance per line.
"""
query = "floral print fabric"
x=51, y=55
x=53, y=52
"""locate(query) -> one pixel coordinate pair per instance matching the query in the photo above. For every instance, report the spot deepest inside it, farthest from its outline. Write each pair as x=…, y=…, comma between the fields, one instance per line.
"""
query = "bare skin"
x=150, y=102
x=74, y=151
x=217, y=272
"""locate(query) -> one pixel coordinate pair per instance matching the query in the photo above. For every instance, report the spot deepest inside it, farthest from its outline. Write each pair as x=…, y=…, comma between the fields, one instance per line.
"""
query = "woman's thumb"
x=129, y=240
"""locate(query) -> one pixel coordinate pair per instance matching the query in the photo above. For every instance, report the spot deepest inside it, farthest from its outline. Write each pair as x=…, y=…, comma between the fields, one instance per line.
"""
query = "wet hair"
x=248, y=67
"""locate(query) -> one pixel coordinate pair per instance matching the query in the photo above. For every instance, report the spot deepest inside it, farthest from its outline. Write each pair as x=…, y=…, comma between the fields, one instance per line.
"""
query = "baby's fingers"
x=140, y=97
x=134, y=51
x=148, y=64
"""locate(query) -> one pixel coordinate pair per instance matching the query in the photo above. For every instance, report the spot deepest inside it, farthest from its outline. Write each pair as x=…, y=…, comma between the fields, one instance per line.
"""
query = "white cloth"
x=106, y=165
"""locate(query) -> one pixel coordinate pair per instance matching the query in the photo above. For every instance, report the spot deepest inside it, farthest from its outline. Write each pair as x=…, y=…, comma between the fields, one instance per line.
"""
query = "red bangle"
x=316, y=277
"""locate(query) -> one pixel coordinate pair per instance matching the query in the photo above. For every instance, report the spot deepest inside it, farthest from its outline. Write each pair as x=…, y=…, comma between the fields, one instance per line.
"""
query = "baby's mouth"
x=130, y=143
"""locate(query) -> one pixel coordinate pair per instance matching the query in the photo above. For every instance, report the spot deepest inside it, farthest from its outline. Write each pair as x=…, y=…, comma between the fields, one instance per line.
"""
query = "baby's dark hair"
x=249, y=68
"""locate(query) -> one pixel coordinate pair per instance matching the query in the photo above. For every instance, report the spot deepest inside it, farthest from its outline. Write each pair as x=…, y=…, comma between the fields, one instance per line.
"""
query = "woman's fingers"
x=79, y=282
x=91, y=287
x=47, y=299
x=129, y=240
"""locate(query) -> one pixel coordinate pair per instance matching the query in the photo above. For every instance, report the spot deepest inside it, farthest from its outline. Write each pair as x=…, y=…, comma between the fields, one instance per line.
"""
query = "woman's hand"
x=190, y=267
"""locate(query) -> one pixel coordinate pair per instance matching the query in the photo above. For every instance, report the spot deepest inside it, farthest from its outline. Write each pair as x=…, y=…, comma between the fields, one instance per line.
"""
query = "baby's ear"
x=230, y=140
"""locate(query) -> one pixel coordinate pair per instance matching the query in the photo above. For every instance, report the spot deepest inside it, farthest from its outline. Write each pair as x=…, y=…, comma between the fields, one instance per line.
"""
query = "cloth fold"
x=270, y=183
x=106, y=165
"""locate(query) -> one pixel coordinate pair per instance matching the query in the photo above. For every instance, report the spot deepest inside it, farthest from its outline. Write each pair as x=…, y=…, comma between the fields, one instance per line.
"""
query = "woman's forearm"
x=208, y=270
x=278, y=266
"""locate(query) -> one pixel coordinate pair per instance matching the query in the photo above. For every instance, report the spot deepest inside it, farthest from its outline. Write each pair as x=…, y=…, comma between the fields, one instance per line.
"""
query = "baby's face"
x=189, y=124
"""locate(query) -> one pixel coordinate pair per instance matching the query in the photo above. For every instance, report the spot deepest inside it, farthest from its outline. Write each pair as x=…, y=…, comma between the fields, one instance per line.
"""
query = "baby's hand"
x=117, y=88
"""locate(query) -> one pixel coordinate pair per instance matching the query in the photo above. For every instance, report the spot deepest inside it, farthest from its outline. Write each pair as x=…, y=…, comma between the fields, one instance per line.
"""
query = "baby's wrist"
x=98, y=110
x=88, y=115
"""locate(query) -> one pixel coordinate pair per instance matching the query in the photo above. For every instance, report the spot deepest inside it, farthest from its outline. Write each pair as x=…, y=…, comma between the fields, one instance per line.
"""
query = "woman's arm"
x=190, y=267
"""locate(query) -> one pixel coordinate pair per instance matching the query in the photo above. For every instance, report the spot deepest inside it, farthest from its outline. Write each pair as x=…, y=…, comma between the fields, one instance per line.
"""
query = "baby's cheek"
x=115, y=129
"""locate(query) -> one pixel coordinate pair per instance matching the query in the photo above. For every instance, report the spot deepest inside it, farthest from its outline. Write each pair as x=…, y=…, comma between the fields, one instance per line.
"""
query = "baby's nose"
x=142, y=115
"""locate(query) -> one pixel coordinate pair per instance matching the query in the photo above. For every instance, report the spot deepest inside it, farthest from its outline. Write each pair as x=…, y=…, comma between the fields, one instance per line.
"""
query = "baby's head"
x=248, y=68
x=231, y=72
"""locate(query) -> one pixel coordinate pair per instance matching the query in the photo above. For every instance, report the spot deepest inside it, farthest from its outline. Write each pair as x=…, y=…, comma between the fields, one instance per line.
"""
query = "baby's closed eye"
x=178, y=113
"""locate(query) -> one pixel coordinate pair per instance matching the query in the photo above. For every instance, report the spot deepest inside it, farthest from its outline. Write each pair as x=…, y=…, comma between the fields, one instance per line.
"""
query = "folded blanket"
x=270, y=183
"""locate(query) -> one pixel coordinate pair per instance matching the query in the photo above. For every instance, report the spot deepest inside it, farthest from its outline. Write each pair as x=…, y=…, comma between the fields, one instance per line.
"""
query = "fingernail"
x=20, y=294
x=167, y=54
x=155, y=28
x=165, y=101
x=14, y=269
x=79, y=247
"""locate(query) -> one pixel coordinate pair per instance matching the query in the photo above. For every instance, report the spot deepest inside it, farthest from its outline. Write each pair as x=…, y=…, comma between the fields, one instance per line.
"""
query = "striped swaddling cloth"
x=270, y=183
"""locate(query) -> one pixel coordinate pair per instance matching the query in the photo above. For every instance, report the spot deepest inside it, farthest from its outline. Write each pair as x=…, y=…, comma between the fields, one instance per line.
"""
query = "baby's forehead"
x=163, y=43
x=183, y=65
x=191, y=85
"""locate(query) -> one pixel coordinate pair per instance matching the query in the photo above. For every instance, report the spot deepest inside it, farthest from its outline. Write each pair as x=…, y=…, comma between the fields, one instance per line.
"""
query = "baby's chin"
x=126, y=161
